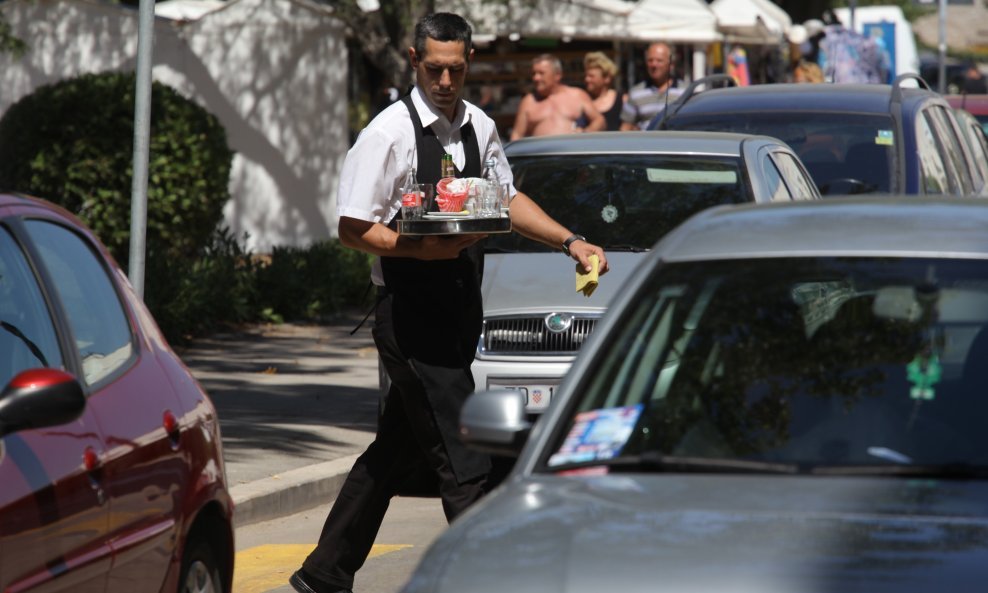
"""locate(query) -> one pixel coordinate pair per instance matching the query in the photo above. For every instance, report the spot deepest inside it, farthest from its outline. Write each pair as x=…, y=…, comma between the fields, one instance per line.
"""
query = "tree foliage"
x=72, y=142
x=9, y=43
x=384, y=35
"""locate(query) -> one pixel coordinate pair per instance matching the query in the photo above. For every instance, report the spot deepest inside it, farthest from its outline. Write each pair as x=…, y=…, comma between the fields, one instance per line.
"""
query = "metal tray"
x=461, y=226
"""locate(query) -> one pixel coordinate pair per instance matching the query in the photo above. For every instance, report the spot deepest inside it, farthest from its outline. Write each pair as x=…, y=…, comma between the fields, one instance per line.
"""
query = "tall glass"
x=489, y=203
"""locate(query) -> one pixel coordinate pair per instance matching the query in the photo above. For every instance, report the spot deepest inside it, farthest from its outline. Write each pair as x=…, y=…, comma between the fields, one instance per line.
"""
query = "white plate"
x=446, y=215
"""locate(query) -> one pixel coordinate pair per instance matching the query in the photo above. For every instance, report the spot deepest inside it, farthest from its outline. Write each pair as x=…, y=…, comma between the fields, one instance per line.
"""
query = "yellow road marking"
x=262, y=568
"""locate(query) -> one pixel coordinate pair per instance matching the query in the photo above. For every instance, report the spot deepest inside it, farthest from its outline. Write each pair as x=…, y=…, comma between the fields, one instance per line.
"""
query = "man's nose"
x=446, y=79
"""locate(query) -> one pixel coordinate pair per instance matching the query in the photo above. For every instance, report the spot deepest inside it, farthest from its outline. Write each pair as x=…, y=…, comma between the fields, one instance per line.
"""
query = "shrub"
x=315, y=283
x=72, y=143
x=190, y=298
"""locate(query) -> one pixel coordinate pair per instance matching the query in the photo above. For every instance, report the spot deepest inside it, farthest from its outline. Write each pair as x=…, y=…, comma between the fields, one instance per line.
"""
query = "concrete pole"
x=942, y=46
x=142, y=141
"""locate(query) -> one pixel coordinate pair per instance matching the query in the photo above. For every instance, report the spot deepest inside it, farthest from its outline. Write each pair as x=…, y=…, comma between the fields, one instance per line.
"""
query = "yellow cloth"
x=586, y=282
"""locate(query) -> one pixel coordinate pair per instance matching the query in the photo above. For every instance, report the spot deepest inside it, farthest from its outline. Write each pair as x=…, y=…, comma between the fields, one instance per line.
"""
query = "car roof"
x=673, y=142
x=895, y=226
x=789, y=97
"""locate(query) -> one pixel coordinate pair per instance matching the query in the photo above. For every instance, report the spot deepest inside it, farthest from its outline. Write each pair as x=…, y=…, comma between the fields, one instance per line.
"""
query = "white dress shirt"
x=378, y=163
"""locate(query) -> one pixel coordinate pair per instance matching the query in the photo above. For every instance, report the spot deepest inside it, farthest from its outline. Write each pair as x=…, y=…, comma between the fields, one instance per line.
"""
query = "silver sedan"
x=783, y=399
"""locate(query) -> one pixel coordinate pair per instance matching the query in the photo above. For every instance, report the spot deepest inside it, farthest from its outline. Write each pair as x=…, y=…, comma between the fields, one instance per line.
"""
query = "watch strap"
x=570, y=240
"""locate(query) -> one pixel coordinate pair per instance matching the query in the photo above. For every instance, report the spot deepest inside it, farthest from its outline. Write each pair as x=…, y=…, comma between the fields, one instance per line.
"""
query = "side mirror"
x=39, y=398
x=494, y=422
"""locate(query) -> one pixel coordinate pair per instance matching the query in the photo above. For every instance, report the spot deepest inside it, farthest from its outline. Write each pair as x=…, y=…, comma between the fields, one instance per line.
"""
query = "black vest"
x=405, y=273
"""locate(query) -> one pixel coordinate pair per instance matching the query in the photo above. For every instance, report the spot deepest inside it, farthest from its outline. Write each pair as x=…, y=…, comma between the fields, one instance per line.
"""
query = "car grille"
x=530, y=335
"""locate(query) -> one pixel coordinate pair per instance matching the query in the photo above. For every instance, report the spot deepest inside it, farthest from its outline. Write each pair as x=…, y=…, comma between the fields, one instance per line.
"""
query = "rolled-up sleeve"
x=370, y=178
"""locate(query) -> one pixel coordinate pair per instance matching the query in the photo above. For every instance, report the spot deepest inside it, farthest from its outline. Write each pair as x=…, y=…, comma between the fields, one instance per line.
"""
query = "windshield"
x=844, y=153
x=816, y=363
x=622, y=201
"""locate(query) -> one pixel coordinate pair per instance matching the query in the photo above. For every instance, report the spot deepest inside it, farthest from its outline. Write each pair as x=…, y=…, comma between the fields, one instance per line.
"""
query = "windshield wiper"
x=16, y=332
x=946, y=470
x=626, y=247
x=656, y=462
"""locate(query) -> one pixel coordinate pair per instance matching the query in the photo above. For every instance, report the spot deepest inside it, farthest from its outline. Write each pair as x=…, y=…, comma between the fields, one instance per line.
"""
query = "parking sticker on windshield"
x=609, y=213
x=884, y=138
x=597, y=434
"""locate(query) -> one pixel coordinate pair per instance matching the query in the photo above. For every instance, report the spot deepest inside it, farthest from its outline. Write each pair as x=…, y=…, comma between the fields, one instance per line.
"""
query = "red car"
x=976, y=105
x=111, y=468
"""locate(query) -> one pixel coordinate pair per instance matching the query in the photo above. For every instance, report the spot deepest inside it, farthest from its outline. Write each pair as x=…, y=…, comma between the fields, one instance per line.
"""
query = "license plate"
x=537, y=397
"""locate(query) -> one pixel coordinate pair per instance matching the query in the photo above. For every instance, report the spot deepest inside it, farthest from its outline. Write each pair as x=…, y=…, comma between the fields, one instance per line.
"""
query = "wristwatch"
x=570, y=240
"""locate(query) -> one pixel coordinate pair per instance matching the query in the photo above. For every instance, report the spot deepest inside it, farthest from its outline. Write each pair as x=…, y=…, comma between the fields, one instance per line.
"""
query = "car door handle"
x=94, y=466
x=171, y=426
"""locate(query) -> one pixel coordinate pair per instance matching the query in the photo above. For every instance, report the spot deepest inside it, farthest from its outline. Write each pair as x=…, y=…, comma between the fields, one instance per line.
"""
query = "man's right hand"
x=433, y=247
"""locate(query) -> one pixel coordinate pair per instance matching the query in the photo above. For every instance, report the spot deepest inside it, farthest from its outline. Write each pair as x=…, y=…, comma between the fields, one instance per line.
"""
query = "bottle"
x=492, y=205
x=411, y=197
x=447, y=168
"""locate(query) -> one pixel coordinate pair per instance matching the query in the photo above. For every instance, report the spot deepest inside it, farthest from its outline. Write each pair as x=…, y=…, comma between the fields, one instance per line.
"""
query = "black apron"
x=437, y=312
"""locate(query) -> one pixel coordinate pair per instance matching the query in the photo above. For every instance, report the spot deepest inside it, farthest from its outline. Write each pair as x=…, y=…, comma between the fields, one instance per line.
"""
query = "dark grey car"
x=783, y=399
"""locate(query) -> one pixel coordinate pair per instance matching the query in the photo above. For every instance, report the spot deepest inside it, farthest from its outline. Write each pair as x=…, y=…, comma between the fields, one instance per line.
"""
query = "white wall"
x=273, y=71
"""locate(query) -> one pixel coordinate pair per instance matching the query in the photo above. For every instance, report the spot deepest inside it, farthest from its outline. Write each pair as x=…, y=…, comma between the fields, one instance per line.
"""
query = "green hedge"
x=315, y=283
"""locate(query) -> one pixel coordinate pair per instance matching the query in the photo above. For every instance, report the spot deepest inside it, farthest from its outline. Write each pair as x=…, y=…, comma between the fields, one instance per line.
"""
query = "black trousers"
x=407, y=434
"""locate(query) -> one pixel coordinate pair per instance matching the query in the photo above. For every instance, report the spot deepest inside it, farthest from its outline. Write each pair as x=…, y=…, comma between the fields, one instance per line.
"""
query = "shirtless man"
x=553, y=107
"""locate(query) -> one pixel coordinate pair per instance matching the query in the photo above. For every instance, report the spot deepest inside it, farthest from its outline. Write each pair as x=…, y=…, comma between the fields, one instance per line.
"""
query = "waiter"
x=429, y=317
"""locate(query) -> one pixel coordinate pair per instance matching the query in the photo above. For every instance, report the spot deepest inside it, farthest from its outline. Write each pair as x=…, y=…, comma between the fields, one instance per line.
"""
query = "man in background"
x=553, y=107
x=649, y=98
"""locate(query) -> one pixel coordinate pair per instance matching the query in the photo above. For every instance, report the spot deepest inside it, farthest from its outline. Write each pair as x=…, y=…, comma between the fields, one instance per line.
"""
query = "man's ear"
x=412, y=58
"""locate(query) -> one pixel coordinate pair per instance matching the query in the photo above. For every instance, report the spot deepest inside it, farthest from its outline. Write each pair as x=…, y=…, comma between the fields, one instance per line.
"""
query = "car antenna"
x=658, y=122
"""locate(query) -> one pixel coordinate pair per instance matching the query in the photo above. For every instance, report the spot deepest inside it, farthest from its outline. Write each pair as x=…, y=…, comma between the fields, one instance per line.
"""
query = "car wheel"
x=200, y=571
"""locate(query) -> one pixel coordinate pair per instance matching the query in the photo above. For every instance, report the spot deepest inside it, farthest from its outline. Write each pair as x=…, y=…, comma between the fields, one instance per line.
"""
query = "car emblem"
x=558, y=322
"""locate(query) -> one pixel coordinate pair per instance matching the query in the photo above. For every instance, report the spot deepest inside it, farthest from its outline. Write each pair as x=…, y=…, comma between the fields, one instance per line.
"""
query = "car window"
x=932, y=168
x=981, y=139
x=834, y=147
x=978, y=144
x=622, y=201
x=952, y=148
x=809, y=361
x=100, y=327
x=27, y=335
x=794, y=176
x=772, y=178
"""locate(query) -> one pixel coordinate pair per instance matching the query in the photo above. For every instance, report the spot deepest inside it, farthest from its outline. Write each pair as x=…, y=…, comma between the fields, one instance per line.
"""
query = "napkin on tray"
x=586, y=282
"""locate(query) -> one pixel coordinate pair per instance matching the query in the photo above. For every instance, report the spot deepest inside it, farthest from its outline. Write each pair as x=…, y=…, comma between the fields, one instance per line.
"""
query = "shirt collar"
x=430, y=115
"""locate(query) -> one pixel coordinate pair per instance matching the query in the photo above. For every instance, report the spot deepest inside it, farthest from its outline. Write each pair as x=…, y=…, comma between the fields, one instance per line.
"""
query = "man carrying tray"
x=429, y=318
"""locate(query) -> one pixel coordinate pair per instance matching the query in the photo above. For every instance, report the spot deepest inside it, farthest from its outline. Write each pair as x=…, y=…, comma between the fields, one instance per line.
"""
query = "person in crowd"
x=553, y=107
x=649, y=98
x=805, y=71
x=429, y=313
x=599, y=73
x=975, y=82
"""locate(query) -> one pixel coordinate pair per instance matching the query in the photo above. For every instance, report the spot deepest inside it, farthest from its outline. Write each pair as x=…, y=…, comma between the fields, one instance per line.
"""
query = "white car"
x=622, y=191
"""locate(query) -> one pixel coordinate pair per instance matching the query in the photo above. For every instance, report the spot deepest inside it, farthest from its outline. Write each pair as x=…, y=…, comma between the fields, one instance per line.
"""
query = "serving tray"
x=455, y=226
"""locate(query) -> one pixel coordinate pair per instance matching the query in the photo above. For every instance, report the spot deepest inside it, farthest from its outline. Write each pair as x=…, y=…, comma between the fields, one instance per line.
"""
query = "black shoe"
x=305, y=583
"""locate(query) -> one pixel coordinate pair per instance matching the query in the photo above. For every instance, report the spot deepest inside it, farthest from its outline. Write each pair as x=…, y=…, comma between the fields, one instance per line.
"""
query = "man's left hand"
x=581, y=252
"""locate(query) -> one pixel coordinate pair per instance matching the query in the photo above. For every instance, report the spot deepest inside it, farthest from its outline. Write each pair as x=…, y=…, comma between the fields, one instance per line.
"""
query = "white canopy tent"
x=751, y=21
x=674, y=21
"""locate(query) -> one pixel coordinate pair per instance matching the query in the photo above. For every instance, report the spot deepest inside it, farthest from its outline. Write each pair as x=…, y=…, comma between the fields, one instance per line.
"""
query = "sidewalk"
x=296, y=403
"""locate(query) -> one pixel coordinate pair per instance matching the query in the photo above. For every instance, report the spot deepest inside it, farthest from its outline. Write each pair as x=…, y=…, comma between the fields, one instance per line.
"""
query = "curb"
x=291, y=492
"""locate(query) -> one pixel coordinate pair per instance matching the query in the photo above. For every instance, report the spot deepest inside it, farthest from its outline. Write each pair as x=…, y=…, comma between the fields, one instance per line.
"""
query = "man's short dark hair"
x=443, y=26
